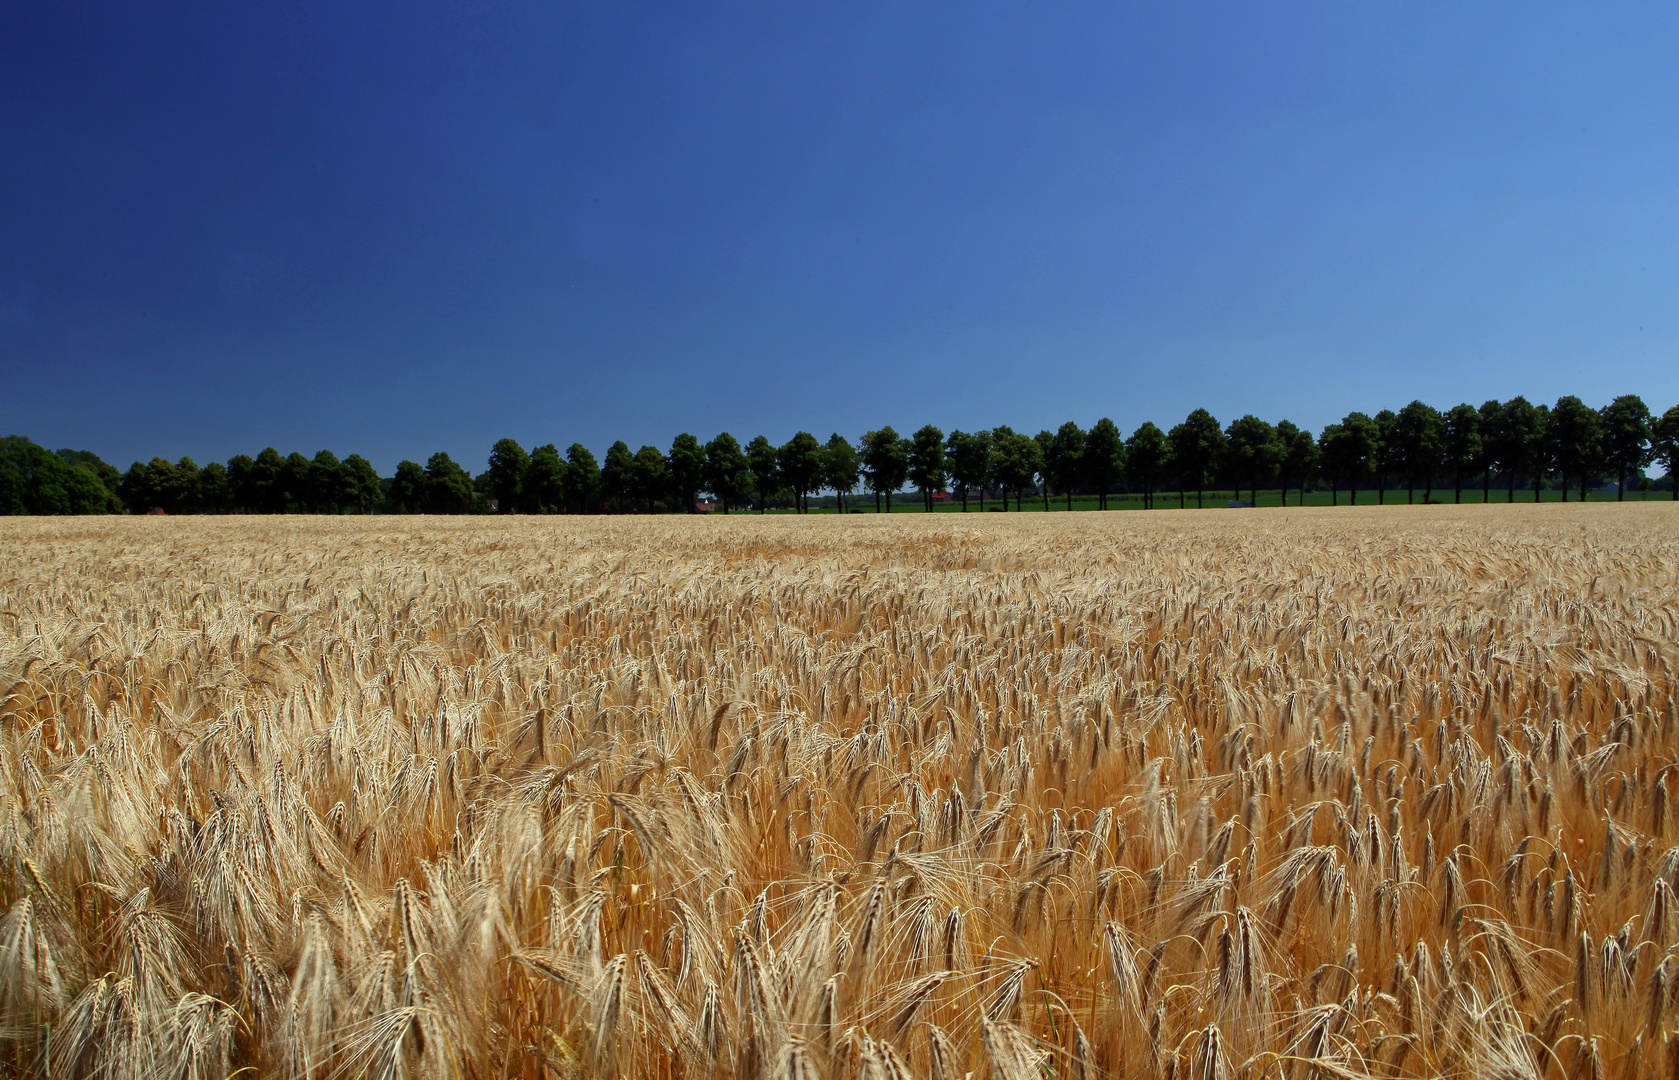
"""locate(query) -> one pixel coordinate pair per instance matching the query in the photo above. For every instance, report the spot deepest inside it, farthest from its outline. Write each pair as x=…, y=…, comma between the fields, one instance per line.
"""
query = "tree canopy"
x=885, y=463
x=802, y=463
x=926, y=462
x=1103, y=459
x=1197, y=445
x=1567, y=445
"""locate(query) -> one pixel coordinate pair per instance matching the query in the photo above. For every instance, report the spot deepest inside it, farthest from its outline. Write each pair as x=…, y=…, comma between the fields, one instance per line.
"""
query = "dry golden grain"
x=1363, y=792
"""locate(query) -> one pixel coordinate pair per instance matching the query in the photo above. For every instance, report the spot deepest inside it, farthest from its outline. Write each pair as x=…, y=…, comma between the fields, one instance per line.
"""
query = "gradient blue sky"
x=397, y=228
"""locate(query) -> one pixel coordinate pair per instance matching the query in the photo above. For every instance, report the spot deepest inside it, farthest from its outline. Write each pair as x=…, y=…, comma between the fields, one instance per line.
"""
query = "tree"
x=1046, y=448
x=1460, y=445
x=267, y=488
x=543, y=488
x=1104, y=459
x=763, y=470
x=35, y=481
x=885, y=464
x=241, y=494
x=1196, y=445
x=1540, y=449
x=1387, y=451
x=1417, y=433
x=1513, y=441
x=508, y=462
x=968, y=459
x=1014, y=461
x=582, y=480
x=1065, y=459
x=1300, y=457
x=12, y=485
x=133, y=489
x=294, y=484
x=189, y=489
x=448, y=487
x=840, y=465
x=153, y=486
x=1349, y=454
x=329, y=484
x=1574, y=436
x=1329, y=461
x=1146, y=454
x=1251, y=453
x=617, y=475
x=926, y=463
x=687, y=470
x=802, y=463
x=107, y=475
x=364, y=481
x=1665, y=446
x=1491, y=420
x=213, y=494
x=408, y=488
x=1626, y=438
x=725, y=470
x=650, y=475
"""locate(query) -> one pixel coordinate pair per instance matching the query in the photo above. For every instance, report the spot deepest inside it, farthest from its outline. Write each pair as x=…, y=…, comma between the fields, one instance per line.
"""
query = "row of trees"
x=1514, y=441
x=1418, y=446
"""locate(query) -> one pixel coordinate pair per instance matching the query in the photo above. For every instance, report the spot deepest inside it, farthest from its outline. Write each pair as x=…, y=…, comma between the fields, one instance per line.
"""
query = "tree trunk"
x=877, y=500
x=888, y=502
x=1199, y=495
x=1046, y=498
x=1411, y=492
x=1564, y=487
x=1428, y=489
x=964, y=498
x=1334, y=494
x=1352, y=493
x=1069, y=498
x=1582, y=487
x=1512, y=497
x=1620, y=488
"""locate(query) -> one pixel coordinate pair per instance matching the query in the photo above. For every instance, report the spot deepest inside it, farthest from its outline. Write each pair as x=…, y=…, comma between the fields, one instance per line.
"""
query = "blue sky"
x=397, y=228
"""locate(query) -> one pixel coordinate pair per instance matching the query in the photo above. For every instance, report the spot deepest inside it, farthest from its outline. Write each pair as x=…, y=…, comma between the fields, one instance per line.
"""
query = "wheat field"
x=1294, y=793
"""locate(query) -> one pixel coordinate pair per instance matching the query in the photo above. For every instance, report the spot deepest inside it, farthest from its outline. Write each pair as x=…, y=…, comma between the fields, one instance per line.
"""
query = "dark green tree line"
x=1514, y=442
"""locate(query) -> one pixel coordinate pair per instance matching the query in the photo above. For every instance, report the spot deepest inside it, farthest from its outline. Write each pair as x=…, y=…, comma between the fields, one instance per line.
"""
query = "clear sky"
x=397, y=228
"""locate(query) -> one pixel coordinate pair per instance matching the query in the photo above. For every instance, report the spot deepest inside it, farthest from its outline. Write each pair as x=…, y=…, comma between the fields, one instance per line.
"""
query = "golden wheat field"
x=1302, y=793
